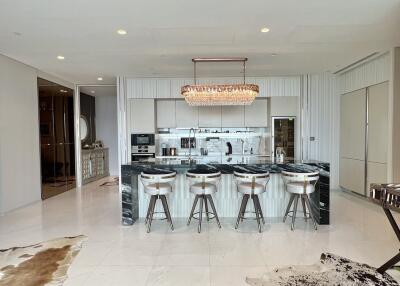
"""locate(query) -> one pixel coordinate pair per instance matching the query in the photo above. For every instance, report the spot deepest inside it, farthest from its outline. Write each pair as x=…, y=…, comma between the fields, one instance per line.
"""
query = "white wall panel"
x=321, y=120
x=367, y=74
x=171, y=87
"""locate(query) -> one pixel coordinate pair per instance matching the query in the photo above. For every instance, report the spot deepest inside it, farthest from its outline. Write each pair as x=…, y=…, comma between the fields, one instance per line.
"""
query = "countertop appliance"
x=142, y=147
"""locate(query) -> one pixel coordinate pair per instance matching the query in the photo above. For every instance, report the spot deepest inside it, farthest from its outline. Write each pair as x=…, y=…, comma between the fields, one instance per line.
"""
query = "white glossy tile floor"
x=127, y=255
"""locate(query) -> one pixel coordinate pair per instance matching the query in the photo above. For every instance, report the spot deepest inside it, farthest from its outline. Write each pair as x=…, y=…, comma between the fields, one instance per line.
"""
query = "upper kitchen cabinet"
x=166, y=114
x=284, y=106
x=256, y=114
x=186, y=116
x=142, y=116
x=232, y=116
x=210, y=116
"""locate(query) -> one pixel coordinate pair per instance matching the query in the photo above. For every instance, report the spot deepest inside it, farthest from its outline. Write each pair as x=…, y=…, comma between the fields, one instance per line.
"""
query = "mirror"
x=83, y=127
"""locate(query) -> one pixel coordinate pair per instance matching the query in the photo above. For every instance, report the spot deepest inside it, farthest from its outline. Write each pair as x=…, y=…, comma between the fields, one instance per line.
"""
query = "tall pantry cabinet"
x=364, y=137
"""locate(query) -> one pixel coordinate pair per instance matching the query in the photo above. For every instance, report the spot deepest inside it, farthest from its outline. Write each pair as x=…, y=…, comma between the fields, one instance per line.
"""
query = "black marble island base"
x=131, y=184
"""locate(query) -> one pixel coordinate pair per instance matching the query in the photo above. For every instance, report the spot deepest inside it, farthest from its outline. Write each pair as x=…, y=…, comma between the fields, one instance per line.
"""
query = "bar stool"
x=300, y=185
x=203, y=183
x=157, y=186
x=250, y=186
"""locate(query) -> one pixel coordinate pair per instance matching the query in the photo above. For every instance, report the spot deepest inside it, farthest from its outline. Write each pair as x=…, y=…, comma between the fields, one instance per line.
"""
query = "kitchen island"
x=227, y=199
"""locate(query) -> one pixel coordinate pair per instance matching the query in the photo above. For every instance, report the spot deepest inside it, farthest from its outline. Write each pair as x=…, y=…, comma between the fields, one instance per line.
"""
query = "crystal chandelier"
x=219, y=94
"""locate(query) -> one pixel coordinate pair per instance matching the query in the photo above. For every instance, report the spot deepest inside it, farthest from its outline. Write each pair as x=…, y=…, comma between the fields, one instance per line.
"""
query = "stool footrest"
x=206, y=213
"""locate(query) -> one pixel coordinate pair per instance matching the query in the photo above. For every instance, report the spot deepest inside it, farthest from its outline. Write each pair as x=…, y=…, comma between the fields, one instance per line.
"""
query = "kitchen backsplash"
x=254, y=141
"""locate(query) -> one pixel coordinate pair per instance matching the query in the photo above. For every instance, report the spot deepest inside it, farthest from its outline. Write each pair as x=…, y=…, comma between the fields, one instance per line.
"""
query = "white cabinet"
x=142, y=116
x=378, y=123
x=166, y=114
x=186, y=116
x=351, y=174
x=284, y=106
x=210, y=116
x=256, y=114
x=232, y=116
x=352, y=124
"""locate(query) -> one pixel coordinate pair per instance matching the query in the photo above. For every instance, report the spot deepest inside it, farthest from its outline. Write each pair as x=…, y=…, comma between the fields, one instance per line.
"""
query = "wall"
x=321, y=120
x=171, y=87
x=20, y=178
x=19, y=139
x=107, y=128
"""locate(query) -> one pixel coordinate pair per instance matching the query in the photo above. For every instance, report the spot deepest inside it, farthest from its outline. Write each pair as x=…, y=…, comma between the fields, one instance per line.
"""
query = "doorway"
x=98, y=127
x=57, y=148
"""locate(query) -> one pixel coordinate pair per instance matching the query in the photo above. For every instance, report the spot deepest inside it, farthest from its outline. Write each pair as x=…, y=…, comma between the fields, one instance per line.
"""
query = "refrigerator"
x=57, y=149
x=283, y=134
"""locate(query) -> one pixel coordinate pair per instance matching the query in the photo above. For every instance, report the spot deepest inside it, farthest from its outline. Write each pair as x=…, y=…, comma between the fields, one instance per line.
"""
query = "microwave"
x=142, y=140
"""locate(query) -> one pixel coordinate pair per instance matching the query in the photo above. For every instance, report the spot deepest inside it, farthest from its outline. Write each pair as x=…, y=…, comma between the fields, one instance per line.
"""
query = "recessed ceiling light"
x=122, y=32
x=274, y=55
x=264, y=30
x=92, y=91
x=63, y=91
x=100, y=78
x=60, y=57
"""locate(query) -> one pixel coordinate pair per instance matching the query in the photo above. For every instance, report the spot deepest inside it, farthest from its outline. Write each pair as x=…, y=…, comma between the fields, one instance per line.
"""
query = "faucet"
x=190, y=144
x=242, y=141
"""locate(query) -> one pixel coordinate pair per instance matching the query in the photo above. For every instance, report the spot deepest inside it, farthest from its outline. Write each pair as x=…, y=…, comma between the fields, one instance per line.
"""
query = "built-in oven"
x=142, y=147
x=142, y=139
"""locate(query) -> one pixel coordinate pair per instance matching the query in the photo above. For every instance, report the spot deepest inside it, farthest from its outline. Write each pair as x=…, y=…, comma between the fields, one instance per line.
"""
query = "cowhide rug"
x=331, y=270
x=45, y=263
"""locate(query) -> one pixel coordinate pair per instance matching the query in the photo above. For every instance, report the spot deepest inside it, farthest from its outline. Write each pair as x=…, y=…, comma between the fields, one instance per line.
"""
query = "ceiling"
x=163, y=35
x=99, y=90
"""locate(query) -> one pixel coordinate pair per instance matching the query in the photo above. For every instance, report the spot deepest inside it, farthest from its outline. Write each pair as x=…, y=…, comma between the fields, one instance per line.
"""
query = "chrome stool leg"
x=303, y=202
x=288, y=207
x=206, y=208
x=200, y=213
x=148, y=210
x=307, y=200
x=259, y=208
x=153, y=205
x=166, y=210
x=257, y=212
x=296, y=201
x=210, y=199
x=193, y=209
x=241, y=210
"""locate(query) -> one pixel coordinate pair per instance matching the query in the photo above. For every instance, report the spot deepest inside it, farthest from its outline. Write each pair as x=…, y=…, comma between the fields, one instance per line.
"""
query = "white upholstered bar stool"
x=203, y=184
x=158, y=186
x=250, y=185
x=300, y=185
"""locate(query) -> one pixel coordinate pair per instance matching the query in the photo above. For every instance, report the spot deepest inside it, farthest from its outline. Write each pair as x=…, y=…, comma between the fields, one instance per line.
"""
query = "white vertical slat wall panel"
x=367, y=74
x=227, y=200
x=171, y=87
x=134, y=88
x=321, y=120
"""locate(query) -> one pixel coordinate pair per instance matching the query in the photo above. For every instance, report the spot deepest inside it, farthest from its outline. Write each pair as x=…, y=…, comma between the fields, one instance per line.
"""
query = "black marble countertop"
x=228, y=164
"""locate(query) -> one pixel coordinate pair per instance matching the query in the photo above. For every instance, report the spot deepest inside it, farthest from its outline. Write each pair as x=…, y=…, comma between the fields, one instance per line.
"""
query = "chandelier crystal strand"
x=219, y=94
